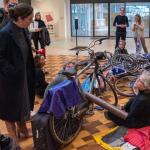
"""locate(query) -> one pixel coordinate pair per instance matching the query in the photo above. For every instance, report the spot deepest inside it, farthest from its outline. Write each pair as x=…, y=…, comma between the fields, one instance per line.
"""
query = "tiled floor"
x=57, y=55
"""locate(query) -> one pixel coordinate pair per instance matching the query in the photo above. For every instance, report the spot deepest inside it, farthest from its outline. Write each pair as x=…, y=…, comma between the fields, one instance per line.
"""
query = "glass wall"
x=101, y=19
x=93, y=17
x=84, y=13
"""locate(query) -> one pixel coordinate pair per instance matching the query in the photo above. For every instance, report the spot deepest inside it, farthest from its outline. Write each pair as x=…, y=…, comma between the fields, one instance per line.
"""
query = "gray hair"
x=145, y=77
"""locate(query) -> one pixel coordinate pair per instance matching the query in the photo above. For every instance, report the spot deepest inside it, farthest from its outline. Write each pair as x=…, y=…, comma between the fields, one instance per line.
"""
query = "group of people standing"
x=121, y=23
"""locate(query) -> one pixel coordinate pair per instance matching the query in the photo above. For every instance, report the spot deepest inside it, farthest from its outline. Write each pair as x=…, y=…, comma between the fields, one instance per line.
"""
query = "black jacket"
x=4, y=19
x=138, y=109
x=121, y=20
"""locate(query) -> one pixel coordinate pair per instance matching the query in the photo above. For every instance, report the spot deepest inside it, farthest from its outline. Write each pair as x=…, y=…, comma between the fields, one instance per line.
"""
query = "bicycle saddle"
x=70, y=72
x=100, y=55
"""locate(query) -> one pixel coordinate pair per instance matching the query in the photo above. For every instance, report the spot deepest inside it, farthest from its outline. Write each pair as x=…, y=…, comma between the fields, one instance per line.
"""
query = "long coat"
x=13, y=70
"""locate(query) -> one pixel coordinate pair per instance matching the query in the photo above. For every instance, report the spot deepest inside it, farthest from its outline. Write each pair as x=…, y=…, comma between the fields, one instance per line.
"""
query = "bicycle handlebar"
x=89, y=48
x=100, y=40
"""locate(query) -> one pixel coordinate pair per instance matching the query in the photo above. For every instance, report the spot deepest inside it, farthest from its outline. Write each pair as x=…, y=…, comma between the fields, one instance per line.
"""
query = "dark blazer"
x=12, y=75
x=138, y=109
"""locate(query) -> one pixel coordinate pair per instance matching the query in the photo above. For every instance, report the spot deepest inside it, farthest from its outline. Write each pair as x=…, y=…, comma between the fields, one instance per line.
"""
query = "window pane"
x=101, y=19
x=84, y=13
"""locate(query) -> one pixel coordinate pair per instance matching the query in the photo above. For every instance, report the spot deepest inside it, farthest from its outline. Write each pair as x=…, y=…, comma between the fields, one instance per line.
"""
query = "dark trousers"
x=41, y=89
x=36, y=39
x=128, y=123
x=120, y=36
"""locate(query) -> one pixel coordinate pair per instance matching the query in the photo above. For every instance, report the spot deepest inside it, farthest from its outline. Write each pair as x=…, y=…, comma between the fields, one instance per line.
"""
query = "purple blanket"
x=60, y=97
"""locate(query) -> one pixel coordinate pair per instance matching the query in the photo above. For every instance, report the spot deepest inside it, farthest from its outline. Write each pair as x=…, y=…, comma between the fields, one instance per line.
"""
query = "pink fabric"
x=41, y=51
x=139, y=137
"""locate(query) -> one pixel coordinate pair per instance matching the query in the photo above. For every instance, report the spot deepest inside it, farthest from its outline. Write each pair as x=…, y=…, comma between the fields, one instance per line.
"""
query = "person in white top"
x=138, y=32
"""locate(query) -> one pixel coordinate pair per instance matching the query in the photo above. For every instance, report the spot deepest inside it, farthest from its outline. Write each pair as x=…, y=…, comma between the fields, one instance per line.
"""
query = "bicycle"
x=124, y=82
x=64, y=129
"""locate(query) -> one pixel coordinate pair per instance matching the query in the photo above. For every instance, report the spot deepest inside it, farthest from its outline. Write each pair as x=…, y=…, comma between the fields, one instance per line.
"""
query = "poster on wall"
x=48, y=18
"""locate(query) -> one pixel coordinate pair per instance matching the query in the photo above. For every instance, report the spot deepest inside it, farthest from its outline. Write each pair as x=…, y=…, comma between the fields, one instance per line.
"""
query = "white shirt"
x=33, y=26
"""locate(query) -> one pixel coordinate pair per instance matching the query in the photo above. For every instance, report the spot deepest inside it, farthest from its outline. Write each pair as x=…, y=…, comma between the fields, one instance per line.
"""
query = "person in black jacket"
x=41, y=84
x=36, y=29
x=120, y=22
x=138, y=108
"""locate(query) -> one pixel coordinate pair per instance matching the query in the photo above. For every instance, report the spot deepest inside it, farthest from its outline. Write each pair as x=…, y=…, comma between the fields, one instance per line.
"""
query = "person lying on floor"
x=138, y=108
x=41, y=84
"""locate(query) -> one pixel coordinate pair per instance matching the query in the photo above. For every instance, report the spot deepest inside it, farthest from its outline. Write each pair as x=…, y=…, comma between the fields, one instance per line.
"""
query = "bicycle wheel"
x=130, y=64
x=106, y=91
x=66, y=128
x=124, y=85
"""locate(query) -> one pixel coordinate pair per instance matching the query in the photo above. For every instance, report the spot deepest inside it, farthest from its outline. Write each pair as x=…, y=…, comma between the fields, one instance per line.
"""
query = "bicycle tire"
x=54, y=120
x=128, y=62
x=131, y=64
x=124, y=85
x=64, y=130
x=104, y=94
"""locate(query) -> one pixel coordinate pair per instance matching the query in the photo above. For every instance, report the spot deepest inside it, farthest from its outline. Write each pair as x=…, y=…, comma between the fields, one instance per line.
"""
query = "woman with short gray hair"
x=138, y=108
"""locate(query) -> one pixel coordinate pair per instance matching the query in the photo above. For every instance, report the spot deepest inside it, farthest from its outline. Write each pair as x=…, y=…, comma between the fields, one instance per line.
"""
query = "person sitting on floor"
x=121, y=48
x=41, y=84
x=138, y=108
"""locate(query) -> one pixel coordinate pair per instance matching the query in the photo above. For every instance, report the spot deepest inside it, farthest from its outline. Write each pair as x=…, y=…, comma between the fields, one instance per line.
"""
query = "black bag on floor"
x=8, y=143
x=41, y=133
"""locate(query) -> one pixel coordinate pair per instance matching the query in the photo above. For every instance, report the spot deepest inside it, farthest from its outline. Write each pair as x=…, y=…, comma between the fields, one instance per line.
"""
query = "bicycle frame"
x=65, y=128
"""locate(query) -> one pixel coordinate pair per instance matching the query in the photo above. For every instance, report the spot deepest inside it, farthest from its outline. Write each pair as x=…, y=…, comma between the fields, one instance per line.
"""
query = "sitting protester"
x=121, y=48
x=138, y=108
x=41, y=84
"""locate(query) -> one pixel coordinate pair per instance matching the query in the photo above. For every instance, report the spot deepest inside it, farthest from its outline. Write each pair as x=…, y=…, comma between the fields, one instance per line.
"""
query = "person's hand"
x=135, y=25
x=118, y=25
x=38, y=29
x=123, y=26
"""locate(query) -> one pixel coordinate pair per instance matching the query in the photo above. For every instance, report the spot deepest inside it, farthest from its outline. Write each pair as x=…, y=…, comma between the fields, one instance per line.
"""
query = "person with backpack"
x=40, y=82
x=36, y=29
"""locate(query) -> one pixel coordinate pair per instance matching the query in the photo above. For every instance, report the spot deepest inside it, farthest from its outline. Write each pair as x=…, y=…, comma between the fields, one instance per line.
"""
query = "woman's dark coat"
x=12, y=75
